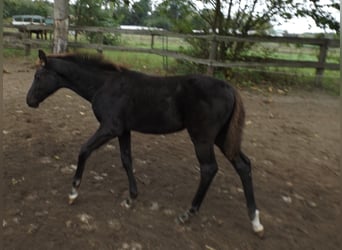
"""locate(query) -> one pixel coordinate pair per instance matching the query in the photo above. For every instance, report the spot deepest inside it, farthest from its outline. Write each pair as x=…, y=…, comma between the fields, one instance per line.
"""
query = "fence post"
x=165, y=48
x=27, y=48
x=323, y=51
x=212, y=55
x=27, y=37
x=152, y=40
x=100, y=41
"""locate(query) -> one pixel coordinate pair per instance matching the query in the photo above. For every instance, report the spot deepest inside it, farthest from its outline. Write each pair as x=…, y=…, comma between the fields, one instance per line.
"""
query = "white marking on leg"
x=127, y=203
x=257, y=226
x=73, y=195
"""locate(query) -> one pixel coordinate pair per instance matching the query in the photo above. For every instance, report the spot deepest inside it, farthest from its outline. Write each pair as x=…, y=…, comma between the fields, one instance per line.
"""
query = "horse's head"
x=46, y=82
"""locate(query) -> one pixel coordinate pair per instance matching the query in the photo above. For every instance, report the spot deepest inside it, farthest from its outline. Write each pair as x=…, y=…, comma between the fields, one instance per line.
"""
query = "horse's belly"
x=161, y=123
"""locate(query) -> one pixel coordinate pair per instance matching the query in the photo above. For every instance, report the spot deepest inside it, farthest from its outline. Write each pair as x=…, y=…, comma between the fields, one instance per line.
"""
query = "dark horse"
x=40, y=34
x=124, y=100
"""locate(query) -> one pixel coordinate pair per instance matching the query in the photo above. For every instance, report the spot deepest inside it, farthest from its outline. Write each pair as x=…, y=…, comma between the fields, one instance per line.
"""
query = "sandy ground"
x=292, y=140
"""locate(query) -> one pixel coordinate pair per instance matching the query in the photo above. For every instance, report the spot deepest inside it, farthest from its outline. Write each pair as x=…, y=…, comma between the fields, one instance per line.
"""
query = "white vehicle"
x=23, y=20
x=28, y=19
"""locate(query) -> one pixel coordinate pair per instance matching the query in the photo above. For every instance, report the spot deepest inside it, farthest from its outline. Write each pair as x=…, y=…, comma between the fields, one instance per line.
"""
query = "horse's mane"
x=89, y=60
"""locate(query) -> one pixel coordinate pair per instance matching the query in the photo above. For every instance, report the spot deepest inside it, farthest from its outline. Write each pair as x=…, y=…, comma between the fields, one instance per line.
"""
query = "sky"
x=302, y=25
x=299, y=26
x=295, y=25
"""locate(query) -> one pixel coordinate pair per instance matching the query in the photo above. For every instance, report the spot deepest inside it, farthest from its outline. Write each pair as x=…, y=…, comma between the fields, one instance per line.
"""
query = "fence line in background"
x=320, y=65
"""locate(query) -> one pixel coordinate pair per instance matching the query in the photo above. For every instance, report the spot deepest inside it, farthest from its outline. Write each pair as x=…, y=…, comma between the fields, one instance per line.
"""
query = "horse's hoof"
x=127, y=203
x=260, y=233
x=184, y=218
x=258, y=228
x=71, y=200
x=73, y=196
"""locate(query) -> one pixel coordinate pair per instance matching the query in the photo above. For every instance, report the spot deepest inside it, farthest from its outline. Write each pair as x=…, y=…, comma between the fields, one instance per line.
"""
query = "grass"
x=138, y=61
x=157, y=65
x=12, y=53
x=286, y=78
x=144, y=41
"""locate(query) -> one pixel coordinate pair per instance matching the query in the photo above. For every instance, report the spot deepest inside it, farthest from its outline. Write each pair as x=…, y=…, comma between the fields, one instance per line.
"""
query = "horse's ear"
x=42, y=57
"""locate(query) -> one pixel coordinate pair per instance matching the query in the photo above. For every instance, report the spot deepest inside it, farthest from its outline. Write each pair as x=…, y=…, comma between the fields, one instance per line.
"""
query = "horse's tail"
x=233, y=136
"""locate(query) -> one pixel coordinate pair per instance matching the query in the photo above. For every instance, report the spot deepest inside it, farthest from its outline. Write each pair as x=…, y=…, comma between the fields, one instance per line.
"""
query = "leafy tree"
x=320, y=13
x=122, y=13
x=27, y=7
x=132, y=13
x=140, y=12
x=175, y=15
x=250, y=17
x=92, y=13
x=159, y=22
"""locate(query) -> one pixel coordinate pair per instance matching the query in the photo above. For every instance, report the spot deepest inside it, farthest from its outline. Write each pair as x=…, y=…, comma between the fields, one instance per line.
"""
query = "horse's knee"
x=245, y=158
x=84, y=153
x=242, y=164
x=126, y=160
x=84, y=150
x=208, y=170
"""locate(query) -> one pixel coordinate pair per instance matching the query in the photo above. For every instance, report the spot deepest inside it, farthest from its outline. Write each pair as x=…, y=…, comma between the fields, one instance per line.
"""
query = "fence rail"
x=320, y=65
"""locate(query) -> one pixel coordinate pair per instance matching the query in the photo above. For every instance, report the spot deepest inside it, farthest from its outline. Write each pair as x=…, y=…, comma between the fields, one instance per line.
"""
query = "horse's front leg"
x=126, y=158
x=101, y=136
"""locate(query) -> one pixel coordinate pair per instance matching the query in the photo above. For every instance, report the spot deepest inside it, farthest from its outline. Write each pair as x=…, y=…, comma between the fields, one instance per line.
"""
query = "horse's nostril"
x=32, y=104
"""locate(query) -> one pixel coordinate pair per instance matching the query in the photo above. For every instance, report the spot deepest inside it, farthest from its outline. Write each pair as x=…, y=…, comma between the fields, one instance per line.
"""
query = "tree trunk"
x=61, y=26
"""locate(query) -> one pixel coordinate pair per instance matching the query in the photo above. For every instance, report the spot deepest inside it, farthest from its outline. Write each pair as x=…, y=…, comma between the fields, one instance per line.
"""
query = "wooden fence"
x=320, y=65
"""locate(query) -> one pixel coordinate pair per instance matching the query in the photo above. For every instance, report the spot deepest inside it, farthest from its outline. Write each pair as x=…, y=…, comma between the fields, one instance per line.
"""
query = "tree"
x=140, y=11
x=131, y=12
x=175, y=15
x=61, y=26
x=320, y=13
x=92, y=13
x=246, y=17
x=243, y=16
x=95, y=13
x=27, y=7
x=122, y=13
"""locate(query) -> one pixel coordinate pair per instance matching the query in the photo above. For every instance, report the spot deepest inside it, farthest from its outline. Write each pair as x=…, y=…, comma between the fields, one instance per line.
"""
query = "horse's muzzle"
x=32, y=103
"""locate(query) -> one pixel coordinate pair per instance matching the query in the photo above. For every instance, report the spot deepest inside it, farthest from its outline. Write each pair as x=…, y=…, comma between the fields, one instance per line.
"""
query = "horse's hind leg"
x=101, y=136
x=208, y=169
x=126, y=158
x=242, y=166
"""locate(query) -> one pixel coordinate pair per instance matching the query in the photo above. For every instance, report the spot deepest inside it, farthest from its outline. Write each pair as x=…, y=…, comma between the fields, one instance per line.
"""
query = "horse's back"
x=199, y=103
x=203, y=96
x=169, y=104
x=153, y=104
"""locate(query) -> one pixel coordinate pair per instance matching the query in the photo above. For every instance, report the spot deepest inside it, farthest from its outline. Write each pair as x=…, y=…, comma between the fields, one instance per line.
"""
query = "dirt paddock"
x=292, y=140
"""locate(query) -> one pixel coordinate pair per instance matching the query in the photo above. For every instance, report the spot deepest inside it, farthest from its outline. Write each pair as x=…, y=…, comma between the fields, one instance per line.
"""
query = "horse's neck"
x=85, y=84
x=80, y=79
